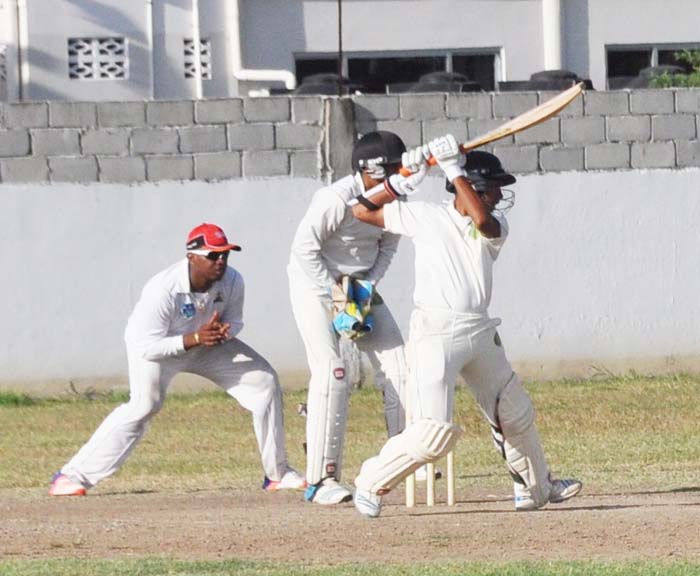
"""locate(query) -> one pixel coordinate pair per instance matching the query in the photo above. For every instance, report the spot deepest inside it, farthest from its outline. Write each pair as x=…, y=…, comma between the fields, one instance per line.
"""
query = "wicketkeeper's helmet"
x=483, y=168
x=375, y=150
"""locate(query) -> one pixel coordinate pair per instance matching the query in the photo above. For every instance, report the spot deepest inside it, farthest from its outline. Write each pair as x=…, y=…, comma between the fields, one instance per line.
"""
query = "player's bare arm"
x=373, y=217
x=479, y=208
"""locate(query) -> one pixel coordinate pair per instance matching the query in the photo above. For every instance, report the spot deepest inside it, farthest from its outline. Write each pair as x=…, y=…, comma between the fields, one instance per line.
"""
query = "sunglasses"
x=214, y=256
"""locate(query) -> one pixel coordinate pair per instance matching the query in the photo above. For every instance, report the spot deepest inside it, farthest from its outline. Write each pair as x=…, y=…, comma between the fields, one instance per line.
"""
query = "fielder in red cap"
x=187, y=320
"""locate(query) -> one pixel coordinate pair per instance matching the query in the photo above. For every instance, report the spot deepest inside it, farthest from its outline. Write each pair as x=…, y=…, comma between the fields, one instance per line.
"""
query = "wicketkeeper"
x=456, y=245
x=332, y=254
x=187, y=320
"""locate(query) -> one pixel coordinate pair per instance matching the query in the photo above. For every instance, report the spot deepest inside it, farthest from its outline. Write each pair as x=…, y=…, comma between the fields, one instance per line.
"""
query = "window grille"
x=191, y=56
x=97, y=58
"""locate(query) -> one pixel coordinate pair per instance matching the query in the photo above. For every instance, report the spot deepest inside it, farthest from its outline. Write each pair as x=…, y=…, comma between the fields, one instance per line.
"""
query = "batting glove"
x=416, y=159
x=448, y=155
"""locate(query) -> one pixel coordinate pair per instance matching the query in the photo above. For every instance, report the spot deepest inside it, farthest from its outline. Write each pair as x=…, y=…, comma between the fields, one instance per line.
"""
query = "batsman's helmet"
x=375, y=150
x=483, y=168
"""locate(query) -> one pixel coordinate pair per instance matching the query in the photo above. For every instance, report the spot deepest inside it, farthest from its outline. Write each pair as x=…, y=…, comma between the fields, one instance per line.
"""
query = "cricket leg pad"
x=517, y=438
x=327, y=415
x=422, y=442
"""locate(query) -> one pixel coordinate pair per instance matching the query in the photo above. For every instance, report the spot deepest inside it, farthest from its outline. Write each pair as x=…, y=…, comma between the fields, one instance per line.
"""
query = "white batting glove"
x=416, y=160
x=448, y=155
x=405, y=185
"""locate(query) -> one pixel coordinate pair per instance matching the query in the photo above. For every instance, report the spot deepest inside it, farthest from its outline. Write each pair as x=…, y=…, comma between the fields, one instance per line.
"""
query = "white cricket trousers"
x=384, y=346
x=234, y=366
x=443, y=344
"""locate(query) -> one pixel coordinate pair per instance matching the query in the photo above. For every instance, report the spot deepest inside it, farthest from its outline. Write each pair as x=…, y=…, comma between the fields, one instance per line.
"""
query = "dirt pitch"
x=253, y=525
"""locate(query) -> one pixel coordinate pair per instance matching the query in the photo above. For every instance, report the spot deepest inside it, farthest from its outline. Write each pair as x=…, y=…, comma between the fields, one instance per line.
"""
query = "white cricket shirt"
x=454, y=262
x=168, y=309
x=330, y=242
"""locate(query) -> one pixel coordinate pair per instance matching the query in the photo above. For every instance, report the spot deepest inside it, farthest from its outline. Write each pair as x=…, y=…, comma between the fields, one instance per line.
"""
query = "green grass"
x=600, y=430
x=619, y=434
x=153, y=567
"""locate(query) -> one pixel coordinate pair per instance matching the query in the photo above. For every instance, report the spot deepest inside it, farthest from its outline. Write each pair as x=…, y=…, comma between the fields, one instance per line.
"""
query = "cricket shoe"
x=327, y=492
x=367, y=504
x=561, y=491
x=422, y=474
x=564, y=489
x=291, y=480
x=62, y=485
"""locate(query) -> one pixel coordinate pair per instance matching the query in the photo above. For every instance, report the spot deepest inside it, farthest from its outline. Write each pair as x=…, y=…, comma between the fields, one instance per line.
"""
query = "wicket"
x=410, y=484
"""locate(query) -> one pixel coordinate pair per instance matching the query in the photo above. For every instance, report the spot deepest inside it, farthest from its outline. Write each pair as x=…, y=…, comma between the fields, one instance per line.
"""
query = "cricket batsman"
x=456, y=245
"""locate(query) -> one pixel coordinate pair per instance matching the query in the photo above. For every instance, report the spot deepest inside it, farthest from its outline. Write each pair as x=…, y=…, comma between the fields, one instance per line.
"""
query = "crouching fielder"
x=456, y=244
x=187, y=320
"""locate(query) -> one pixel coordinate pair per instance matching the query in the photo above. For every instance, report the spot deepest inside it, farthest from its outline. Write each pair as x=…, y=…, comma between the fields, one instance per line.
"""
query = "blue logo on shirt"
x=188, y=310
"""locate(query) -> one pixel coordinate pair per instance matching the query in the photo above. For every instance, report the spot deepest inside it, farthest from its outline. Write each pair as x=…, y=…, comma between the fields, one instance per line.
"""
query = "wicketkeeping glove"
x=355, y=319
x=448, y=155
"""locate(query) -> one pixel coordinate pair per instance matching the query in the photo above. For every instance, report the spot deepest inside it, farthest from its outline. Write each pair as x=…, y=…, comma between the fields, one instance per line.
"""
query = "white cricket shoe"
x=561, y=491
x=564, y=489
x=327, y=492
x=422, y=474
x=62, y=485
x=368, y=504
x=291, y=480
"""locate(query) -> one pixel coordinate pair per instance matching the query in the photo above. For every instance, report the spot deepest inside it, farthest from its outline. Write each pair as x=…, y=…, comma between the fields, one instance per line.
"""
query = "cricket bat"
x=522, y=122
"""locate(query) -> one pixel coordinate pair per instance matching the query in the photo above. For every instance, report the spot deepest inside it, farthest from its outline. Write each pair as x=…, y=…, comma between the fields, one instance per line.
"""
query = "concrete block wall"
x=311, y=136
x=599, y=131
x=157, y=141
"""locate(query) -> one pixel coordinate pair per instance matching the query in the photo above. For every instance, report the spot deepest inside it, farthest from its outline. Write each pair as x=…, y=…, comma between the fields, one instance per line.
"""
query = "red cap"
x=209, y=237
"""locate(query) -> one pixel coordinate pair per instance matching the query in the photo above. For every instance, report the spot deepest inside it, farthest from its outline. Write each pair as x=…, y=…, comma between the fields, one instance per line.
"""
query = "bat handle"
x=406, y=172
x=432, y=161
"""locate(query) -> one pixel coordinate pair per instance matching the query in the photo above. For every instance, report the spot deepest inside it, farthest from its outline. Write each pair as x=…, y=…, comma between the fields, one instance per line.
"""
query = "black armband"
x=367, y=203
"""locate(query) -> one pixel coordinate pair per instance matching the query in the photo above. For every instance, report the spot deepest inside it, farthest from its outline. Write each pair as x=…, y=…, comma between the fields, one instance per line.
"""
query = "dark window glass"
x=624, y=66
x=627, y=62
x=374, y=74
x=476, y=67
x=310, y=67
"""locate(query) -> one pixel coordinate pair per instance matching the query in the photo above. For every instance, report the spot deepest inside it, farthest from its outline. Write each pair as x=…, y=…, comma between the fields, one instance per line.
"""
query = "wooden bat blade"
x=527, y=119
x=522, y=122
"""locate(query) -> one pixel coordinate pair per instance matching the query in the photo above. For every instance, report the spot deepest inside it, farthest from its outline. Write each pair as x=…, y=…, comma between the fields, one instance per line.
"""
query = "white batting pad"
x=422, y=442
x=327, y=416
x=521, y=444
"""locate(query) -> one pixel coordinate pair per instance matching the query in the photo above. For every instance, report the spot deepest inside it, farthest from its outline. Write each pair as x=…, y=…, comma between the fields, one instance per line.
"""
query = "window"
x=625, y=62
x=191, y=55
x=97, y=58
x=312, y=66
x=382, y=73
x=668, y=57
x=376, y=73
x=480, y=68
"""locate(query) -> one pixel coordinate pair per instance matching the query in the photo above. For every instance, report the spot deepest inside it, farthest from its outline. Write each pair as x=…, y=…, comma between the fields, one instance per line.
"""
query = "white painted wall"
x=273, y=31
x=601, y=269
x=393, y=25
x=51, y=23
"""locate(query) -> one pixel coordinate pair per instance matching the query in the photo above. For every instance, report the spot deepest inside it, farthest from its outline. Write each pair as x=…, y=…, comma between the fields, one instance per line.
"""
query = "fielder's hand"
x=213, y=332
x=448, y=155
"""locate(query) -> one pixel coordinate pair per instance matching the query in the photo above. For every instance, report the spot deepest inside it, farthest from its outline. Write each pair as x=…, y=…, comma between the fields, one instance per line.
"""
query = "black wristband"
x=367, y=203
